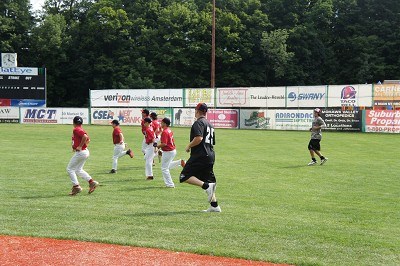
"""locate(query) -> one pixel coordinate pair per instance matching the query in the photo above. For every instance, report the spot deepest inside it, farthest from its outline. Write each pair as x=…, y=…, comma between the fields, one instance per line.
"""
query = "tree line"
x=131, y=44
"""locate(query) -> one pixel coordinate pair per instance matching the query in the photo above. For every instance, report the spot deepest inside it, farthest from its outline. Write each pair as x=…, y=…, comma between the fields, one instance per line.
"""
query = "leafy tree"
x=16, y=22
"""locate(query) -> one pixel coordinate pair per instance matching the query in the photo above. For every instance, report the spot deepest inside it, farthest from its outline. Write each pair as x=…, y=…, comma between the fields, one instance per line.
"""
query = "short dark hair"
x=115, y=122
x=153, y=115
x=145, y=111
x=166, y=121
x=147, y=120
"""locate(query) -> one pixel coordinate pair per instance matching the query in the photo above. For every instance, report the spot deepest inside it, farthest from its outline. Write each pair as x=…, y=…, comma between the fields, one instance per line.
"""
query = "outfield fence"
x=361, y=107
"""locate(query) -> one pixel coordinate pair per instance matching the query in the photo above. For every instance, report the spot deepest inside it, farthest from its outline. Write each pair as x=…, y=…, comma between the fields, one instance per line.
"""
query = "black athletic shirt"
x=201, y=127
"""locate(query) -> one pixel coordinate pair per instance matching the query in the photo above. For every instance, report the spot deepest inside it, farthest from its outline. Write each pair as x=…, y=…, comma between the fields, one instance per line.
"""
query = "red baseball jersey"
x=167, y=137
x=149, y=135
x=116, y=135
x=143, y=127
x=156, y=127
x=77, y=135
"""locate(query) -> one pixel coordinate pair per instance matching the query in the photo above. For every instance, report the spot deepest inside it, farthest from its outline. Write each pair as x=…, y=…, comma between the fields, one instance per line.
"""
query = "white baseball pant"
x=166, y=164
x=75, y=166
x=119, y=151
x=149, y=156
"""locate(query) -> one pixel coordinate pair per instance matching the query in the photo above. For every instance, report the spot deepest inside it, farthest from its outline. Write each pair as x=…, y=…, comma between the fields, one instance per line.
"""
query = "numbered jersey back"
x=205, y=149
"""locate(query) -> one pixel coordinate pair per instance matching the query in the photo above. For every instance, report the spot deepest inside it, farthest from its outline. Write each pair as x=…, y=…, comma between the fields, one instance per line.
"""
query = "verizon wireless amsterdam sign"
x=134, y=98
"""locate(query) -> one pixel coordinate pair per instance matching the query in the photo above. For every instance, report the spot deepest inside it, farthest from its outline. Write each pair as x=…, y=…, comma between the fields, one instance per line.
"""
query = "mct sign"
x=39, y=115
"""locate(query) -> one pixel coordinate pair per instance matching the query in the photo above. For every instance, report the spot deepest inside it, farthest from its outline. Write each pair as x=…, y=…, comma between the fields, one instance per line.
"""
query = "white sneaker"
x=210, y=191
x=312, y=163
x=213, y=209
x=324, y=161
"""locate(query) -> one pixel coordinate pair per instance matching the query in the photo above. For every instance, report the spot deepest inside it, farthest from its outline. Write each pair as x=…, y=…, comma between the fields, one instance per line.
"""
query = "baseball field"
x=275, y=208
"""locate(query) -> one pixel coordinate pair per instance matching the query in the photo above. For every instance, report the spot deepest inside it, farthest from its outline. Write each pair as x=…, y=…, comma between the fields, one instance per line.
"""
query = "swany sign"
x=306, y=96
x=133, y=98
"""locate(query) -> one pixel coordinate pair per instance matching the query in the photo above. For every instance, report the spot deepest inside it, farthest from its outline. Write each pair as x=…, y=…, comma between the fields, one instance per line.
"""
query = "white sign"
x=9, y=112
x=52, y=115
x=257, y=119
x=184, y=117
x=27, y=71
x=293, y=119
x=350, y=95
x=267, y=97
x=136, y=98
x=263, y=97
x=306, y=96
x=195, y=96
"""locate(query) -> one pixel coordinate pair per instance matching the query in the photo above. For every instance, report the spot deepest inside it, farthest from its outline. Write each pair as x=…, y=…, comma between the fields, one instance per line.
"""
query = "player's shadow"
x=164, y=213
x=294, y=166
x=141, y=188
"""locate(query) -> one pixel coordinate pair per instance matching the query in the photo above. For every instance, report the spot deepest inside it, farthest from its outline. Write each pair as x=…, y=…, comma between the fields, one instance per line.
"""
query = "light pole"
x=213, y=47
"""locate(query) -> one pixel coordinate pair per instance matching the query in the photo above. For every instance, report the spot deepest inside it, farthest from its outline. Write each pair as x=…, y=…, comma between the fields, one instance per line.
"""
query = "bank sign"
x=137, y=98
x=306, y=96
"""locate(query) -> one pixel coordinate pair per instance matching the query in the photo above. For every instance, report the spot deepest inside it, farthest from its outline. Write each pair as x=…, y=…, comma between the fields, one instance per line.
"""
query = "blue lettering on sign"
x=40, y=113
x=102, y=115
x=305, y=96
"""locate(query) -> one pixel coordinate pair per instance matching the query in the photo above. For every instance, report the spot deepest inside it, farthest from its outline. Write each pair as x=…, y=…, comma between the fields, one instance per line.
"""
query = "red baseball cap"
x=202, y=107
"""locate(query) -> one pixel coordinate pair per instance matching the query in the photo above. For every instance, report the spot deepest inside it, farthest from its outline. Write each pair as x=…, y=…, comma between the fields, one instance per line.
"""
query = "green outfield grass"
x=275, y=208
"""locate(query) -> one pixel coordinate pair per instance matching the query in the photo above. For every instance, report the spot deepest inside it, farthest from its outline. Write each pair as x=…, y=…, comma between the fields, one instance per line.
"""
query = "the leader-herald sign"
x=137, y=98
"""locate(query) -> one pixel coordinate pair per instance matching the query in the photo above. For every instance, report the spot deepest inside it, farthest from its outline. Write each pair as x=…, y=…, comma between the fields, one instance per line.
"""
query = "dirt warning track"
x=44, y=251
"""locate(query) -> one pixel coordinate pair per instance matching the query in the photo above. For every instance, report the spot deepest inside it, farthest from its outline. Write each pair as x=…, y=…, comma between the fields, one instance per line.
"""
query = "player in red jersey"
x=80, y=141
x=149, y=139
x=119, y=146
x=167, y=145
x=157, y=131
x=156, y=125
x=145, y=114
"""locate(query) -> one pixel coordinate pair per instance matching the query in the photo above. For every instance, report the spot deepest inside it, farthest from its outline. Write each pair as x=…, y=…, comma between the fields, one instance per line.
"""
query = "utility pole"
x=213, y=47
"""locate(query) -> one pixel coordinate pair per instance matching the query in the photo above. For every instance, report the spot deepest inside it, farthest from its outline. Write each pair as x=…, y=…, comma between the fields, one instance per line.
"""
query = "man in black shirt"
x=199, y=170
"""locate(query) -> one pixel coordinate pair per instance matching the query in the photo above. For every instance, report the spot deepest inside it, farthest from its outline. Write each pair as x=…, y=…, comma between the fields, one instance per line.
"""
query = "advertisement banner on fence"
x=9, y=115
x=135, y=98
x=28, y=103
x=262, y=97
x=233, y=97
x=52, y=115
x=224, y=118
x=267, y=97
x=126, y=116
x=184, y=117
x=257, y=119
x=382, y=121
x=195, y=96
x=306, y=96
x=5, y=102
x=386, y=94
x=342, y=120
x=293, y=119
x=350, y=95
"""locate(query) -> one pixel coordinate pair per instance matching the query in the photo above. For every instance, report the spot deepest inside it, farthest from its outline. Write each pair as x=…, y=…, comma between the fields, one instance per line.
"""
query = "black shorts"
x=199, y=168
x=314, y=145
